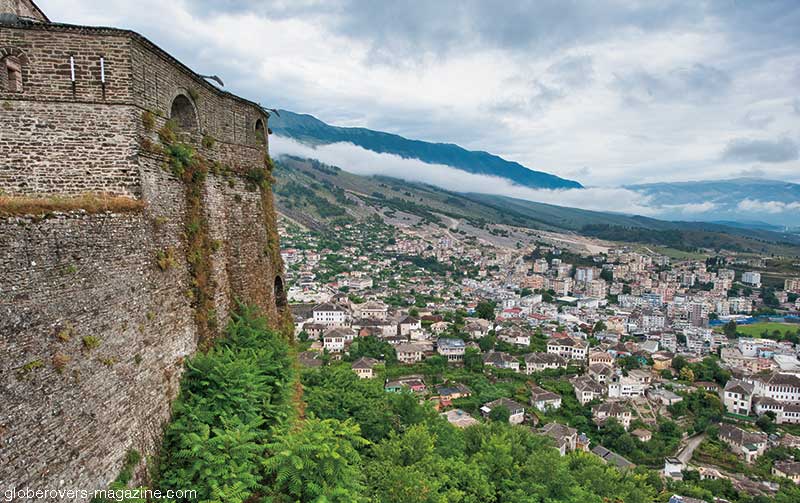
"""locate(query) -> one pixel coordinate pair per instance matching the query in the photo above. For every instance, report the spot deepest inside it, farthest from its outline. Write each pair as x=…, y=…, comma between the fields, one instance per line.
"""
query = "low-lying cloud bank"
x=360, y=161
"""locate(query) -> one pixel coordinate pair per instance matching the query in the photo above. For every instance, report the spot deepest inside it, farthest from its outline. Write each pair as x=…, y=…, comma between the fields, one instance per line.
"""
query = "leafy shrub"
x=231, y=401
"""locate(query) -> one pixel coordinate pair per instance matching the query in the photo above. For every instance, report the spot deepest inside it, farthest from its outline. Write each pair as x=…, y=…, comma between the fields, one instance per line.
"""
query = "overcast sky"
x=604, y=92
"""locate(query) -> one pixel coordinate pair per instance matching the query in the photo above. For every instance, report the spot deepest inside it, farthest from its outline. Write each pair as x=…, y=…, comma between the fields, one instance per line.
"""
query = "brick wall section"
x=56, y=130
x=69, y=148
x=97, y=273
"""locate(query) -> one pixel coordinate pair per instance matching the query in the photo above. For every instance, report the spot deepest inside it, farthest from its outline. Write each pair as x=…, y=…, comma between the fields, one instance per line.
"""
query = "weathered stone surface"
x=68, y=411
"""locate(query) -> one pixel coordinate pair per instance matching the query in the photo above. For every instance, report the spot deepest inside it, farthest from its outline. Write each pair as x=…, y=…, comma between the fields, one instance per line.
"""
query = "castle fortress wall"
x=93, y=334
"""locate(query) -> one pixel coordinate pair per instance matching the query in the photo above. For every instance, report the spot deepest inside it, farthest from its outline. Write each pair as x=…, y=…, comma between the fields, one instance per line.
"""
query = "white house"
x=543, y=399
x=329, y=314
x=452, y=349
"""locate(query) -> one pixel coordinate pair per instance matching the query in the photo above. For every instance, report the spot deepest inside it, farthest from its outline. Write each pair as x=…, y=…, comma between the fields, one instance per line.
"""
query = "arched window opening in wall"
x=12, y=68
x=280, y=293
x=261, y=132
x=183, y=113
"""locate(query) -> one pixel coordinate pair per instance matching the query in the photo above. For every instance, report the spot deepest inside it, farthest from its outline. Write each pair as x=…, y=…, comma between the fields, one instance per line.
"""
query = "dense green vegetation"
x=234, y=400
x=414, y=455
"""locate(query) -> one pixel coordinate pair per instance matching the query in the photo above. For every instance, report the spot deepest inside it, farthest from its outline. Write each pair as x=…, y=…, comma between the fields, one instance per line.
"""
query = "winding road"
x=691, y=444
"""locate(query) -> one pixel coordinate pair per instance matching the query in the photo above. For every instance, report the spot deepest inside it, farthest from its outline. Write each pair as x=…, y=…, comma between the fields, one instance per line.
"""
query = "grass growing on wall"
x=11, y=205
x=193, y=169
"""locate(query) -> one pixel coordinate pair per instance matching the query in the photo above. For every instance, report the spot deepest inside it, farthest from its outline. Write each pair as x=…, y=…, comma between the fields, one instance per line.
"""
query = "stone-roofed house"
x=452, y=349
x=600, y=372
x=664, y=396
x=373, y=310
x=600, y=357
x=543, y=399
x=566, y=438
x=787, y=469
x=363, y=367
x=738, y=397
x=408, y=324
x=336, y=339
x=779, y=386
x=410, y=352
x=587, y=389
x=750, y=445
x=612, y=458
x=605, y=411
x=311, y=359
x=784, y=412
x=329, y=314
x=452, y=391
x=570, y=348
x=537, y=362
x=516, y=410
x=501, y=360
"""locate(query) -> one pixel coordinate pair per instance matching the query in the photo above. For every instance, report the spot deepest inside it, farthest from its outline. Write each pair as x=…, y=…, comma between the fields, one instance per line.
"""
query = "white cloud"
x=772, y=207
x=295, y=55
x=690, y=208
x=360, y=161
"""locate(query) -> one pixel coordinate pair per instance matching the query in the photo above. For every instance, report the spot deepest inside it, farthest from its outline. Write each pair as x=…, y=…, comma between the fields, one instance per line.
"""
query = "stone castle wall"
x=93, y=333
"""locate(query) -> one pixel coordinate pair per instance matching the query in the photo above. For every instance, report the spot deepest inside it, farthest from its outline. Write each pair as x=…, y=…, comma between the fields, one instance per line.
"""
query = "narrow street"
x=691, y=444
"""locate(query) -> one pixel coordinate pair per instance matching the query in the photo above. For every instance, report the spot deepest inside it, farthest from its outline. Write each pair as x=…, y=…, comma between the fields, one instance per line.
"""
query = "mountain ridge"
x=318, y=194
x=308, y=129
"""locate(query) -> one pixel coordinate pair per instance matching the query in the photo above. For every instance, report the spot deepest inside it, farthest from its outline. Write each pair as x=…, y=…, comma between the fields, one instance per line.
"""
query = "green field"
x=758, y=329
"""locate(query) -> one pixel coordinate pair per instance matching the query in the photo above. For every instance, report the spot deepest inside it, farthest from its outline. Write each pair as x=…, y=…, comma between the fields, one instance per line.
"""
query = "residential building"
x=568, y=347
x=566, y=438
x=784, y=412
x=537, y=362
x=501, y=360
x=516, y=410
x=605, y=411
x=612, y=458
x=334, y=340
x=543, y=399
x=586, y=389
x=749, y=445
x=408, y=324
x=600, y=357
x=752, y=278
x=373, y=310
x=787, y=469
x=452, y=349
x=329, y=314
x=738, y=397
x=363, y=367
x=410, y=352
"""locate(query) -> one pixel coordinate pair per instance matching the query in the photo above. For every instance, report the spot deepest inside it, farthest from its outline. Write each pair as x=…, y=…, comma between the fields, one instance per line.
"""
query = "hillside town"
x=685, y=366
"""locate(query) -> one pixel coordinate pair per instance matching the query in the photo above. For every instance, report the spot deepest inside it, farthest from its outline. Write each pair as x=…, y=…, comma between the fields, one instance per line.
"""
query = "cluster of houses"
x=596, y=319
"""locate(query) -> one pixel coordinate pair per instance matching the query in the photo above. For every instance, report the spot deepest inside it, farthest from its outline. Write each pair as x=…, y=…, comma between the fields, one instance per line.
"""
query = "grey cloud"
x=796, y=106
x=753, y=172
x=757, y=121
x=573, y=71
x=696, y=84
x=749, y=150
x=409, y=29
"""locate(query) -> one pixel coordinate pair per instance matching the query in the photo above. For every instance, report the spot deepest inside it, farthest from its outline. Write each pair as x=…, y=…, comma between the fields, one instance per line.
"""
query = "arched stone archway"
x=280, y=293
x=261, y=132
x=183, y=113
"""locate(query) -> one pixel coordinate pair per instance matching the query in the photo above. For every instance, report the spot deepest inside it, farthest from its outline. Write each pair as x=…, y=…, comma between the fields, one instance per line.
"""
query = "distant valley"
x=317, y=195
